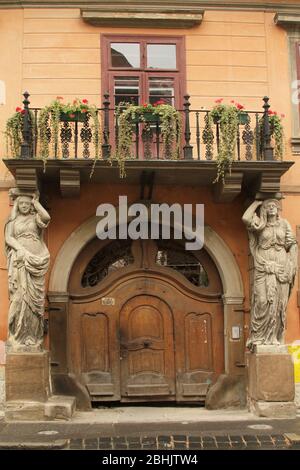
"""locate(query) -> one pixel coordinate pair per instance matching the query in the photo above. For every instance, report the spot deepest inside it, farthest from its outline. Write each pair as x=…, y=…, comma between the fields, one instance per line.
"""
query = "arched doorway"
x=173, y=294
x=145, y=321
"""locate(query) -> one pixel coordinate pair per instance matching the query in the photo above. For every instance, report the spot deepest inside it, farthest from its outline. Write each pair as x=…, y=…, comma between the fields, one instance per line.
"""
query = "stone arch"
x=82, y=235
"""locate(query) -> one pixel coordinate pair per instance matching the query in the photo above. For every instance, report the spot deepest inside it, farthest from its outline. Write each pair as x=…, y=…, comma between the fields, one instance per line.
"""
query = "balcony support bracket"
x=69, y=181
x=230, y=188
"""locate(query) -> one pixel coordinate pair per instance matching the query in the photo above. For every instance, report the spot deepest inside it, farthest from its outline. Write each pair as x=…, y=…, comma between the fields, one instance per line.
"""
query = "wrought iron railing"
x=76, y=138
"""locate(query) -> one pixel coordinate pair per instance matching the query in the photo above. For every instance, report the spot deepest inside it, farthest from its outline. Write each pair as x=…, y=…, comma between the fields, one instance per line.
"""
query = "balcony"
x=72, y=157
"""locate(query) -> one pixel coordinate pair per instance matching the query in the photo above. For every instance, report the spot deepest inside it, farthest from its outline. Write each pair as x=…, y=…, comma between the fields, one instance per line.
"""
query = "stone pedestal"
x=28, y=391
x=271, y=388
x=27, y=376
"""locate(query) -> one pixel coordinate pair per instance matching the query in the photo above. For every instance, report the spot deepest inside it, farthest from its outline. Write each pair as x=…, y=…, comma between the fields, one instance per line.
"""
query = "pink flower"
x=72, y=115
x=84, y=110
x=232, y=101
x=282, y=115
x=159, y=102
x=219, y=100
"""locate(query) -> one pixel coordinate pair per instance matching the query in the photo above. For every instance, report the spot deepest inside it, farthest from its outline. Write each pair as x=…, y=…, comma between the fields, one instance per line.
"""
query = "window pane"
x=126, y=89
x=185, y=262
x=161, y=89
x=161, y=56
x=115, y=256
x=125, y=55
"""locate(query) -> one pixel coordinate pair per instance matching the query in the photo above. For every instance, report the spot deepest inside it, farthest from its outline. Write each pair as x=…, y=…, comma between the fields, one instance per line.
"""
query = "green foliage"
x=227, y=116
x=50, y=117
x=170, y=125
x=13, y=132
x=49, y=127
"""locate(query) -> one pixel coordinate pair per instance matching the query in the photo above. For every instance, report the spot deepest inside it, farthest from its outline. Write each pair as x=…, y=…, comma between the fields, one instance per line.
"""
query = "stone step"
x=60, y=407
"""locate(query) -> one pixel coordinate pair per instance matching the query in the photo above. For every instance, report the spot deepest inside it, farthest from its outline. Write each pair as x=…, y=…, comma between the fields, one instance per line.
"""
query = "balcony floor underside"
x=252, y=176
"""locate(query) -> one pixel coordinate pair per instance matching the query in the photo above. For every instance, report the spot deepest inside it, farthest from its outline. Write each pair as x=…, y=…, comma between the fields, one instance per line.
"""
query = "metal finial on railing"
x=268, y=152
x=26, y=145
x=187, y=149
x=106, y=146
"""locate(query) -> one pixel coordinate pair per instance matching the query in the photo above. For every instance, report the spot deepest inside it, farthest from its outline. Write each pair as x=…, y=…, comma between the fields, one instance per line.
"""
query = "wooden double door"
x=146, y=333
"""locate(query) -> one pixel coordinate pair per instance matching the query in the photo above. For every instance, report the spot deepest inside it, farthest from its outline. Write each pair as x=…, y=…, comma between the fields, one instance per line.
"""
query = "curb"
x=54, y=445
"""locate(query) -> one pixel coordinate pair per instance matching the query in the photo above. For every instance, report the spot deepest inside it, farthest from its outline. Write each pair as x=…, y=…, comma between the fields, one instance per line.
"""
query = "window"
x=113, y=257
x=143, y=69
x=173, y=255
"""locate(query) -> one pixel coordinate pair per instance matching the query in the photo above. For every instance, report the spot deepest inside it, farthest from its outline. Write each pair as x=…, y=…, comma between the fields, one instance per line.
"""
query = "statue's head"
x=271, y=207
x=24, y=204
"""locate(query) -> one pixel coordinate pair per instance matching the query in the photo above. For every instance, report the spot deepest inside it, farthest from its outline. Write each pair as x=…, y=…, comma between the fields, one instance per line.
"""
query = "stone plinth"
x=27, y=376
x=28, y=392
x=271, y=388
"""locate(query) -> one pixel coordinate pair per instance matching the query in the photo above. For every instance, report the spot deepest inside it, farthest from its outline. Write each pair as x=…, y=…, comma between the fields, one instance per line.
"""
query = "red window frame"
x=108, y=72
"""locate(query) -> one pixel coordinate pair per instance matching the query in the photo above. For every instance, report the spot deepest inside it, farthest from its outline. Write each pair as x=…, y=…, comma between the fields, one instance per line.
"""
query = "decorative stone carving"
x=28, y=261
x=274, y=250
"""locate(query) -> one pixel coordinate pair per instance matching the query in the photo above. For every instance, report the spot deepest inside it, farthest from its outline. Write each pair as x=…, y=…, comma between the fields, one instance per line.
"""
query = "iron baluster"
x=258, y=138
x=106, y=146
x=66, y=138
x=86, y=137
x=35, y=137
x=208, y=137
x=248, y=139
x=238, y=142
x=26, y=145
x=187, y=149
x=198, y=141
x=267, y=148
x=157, y=140
x=218, y=136
x=137, y=140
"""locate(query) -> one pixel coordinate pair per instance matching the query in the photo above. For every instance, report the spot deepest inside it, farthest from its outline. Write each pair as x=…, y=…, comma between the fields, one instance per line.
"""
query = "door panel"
x=198, y=373
x=96, y=365
x=147, y=348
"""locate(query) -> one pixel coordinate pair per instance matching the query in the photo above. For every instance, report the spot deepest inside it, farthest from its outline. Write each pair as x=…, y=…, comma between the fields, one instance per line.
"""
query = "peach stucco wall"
x=234, y=54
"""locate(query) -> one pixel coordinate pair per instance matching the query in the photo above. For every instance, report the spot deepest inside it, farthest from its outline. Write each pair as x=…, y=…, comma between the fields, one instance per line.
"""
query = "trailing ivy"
x=170, y=126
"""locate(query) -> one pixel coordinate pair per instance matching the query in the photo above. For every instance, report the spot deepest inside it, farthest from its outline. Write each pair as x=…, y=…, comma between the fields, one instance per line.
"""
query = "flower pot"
x=216, y=119
x=72, y=117
x=146, y=117
x=243, y=117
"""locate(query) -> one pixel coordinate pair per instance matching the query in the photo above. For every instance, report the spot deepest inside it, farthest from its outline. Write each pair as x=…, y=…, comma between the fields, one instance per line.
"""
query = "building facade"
x=145, y=320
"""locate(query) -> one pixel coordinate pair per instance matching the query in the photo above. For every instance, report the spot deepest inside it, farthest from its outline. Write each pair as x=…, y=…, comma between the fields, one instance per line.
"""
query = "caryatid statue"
x=28, y=262
x=274, y=250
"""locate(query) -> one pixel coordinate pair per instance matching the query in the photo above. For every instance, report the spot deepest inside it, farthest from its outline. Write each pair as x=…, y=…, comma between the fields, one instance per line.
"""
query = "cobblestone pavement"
x=187, y=442
x=167, y=442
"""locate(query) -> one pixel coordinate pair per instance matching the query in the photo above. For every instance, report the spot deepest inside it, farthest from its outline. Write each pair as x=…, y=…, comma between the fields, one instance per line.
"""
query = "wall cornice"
x=290, y=6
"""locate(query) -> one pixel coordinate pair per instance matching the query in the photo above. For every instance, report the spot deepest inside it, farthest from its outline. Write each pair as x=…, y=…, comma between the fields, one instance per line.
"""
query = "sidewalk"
x=151, y=428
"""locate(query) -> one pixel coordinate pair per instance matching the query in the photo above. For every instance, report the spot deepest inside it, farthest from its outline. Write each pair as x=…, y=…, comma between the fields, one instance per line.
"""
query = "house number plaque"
x=108, y=301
